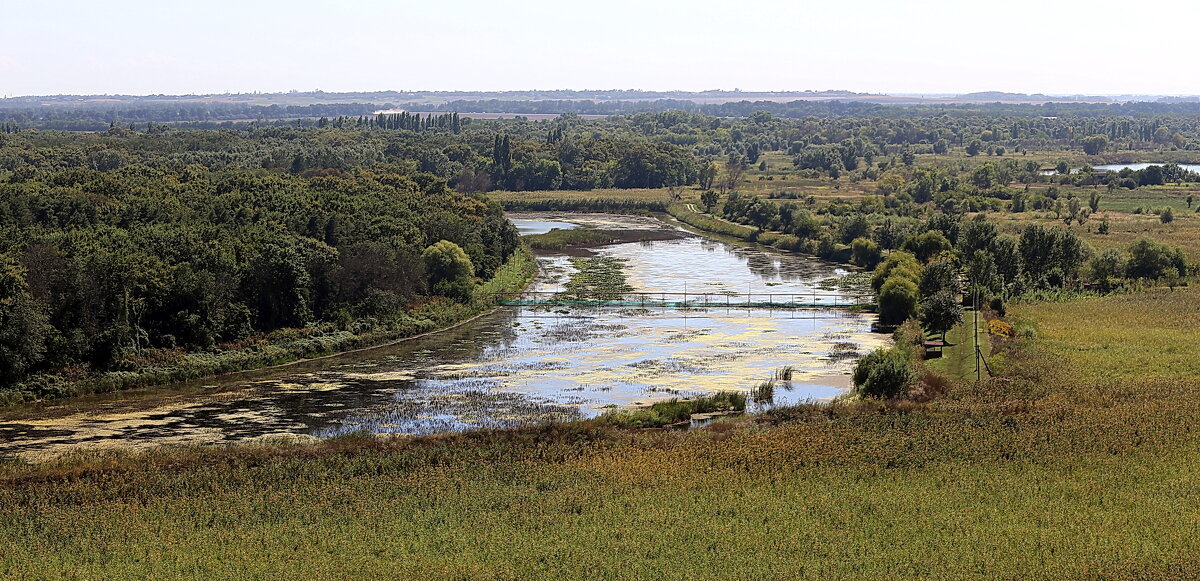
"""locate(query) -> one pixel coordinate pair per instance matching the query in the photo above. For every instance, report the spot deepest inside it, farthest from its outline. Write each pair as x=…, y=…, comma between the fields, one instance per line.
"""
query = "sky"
x=882, y=46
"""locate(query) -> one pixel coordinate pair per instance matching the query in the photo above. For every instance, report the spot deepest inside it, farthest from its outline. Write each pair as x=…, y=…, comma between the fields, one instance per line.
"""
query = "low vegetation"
x=599, y=278
x=558, y=238
x=674, y=411
x=1083, y=441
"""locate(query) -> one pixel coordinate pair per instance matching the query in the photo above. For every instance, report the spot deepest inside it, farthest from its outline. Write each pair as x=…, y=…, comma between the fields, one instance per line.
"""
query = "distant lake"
x=1137, y=166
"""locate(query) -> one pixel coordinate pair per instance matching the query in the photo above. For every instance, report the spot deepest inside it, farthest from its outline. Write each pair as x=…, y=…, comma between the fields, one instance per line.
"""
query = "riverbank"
x=515, y=366
x=283, y=347
x=691, y=215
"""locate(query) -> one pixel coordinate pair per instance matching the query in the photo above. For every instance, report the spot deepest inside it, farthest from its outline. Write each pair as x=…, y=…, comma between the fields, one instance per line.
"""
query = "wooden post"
x=975, y=338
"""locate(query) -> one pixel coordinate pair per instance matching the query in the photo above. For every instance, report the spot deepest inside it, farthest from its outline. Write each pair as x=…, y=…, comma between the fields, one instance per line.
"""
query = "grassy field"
x=1079, y=461
x=958, y=358
x=1124, y=228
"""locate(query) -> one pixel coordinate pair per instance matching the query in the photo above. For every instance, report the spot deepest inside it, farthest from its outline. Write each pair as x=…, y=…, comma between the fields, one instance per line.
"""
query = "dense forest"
x=108, y=253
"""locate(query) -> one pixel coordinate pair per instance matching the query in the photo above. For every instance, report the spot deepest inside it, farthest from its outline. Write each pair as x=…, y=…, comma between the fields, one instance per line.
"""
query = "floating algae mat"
x=516, y=366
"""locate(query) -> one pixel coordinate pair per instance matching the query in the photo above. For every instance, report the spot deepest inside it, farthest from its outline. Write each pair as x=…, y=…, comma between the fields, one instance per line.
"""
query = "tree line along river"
x=513, y=366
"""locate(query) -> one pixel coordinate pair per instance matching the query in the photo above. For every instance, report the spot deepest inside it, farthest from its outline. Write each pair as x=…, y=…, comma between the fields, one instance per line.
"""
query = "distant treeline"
x=93, y=117
x=643, y=150
x=831, y=108
x=98, y=118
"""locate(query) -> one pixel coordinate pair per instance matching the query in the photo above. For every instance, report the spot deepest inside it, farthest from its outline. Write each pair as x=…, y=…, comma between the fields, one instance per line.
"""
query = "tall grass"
x=1078, y=461
x=611, y=205
x=763, y=393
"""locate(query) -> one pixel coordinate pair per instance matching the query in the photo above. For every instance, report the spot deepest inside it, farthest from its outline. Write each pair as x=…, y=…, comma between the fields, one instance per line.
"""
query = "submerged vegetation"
x=600, y=278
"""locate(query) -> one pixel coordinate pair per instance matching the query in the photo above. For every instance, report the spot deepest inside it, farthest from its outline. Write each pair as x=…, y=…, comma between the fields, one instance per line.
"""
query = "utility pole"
x=975, y=335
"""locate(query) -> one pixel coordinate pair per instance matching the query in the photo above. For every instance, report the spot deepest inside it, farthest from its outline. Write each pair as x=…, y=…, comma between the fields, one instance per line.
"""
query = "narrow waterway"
x=515, y=366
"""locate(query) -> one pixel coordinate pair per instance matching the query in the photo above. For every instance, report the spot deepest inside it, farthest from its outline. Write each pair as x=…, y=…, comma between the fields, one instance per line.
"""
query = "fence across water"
x=685, y=300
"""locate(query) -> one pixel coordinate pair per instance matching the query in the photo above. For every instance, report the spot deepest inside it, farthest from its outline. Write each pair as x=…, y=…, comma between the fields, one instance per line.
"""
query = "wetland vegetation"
x=1073, y=455
x=1048, y=470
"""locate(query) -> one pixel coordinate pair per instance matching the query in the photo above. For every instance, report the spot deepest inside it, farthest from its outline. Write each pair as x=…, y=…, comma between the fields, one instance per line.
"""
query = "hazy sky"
x=898, y=46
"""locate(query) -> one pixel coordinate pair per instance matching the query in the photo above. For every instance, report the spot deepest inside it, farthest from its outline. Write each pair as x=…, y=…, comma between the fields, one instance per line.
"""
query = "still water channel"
x=1141, y=166
x=514, y=366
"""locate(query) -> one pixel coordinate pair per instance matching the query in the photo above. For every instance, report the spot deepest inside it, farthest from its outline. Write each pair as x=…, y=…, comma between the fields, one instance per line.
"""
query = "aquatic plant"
x=557, y=238
x=599, y=278
x=764, y=393
x=673, y=411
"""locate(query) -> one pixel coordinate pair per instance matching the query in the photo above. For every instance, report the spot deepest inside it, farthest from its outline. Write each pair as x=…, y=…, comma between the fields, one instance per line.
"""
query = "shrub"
x=789, y=242
x=997, y=306
x=926, y=246
x=883, y=374
x=908, y=336
x=769, y=238
x=1108, y=267
x=1151, y=260
x=1000, y=328
x=450, y=270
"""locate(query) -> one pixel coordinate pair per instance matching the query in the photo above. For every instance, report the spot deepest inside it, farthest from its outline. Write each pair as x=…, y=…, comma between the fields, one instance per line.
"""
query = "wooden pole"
x=975, y=335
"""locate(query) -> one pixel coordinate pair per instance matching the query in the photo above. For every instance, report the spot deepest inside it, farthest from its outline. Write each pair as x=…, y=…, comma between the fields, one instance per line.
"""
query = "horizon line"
x=735, y=91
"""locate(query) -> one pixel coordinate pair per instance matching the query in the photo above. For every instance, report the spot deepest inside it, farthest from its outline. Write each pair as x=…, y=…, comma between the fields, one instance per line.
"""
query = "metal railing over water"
x=685, y=300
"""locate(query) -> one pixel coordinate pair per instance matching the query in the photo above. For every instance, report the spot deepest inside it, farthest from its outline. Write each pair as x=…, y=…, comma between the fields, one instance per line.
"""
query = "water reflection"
x=512, y=367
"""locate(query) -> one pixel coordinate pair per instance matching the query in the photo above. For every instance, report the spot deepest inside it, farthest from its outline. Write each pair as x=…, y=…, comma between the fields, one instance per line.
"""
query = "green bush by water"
x=674, y=411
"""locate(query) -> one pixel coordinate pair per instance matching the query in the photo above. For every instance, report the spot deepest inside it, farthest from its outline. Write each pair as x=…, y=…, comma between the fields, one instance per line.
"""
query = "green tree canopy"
x=941, y=312
x=927, y=245
x=897, y=300
x=23, y=326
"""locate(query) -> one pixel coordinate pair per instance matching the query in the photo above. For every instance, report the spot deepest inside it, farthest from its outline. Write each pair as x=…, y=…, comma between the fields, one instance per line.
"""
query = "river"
x=514, y=366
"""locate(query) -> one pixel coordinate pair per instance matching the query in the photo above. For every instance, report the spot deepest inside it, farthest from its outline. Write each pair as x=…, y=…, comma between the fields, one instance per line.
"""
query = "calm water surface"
x=515, y=366
x=1138, y=166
